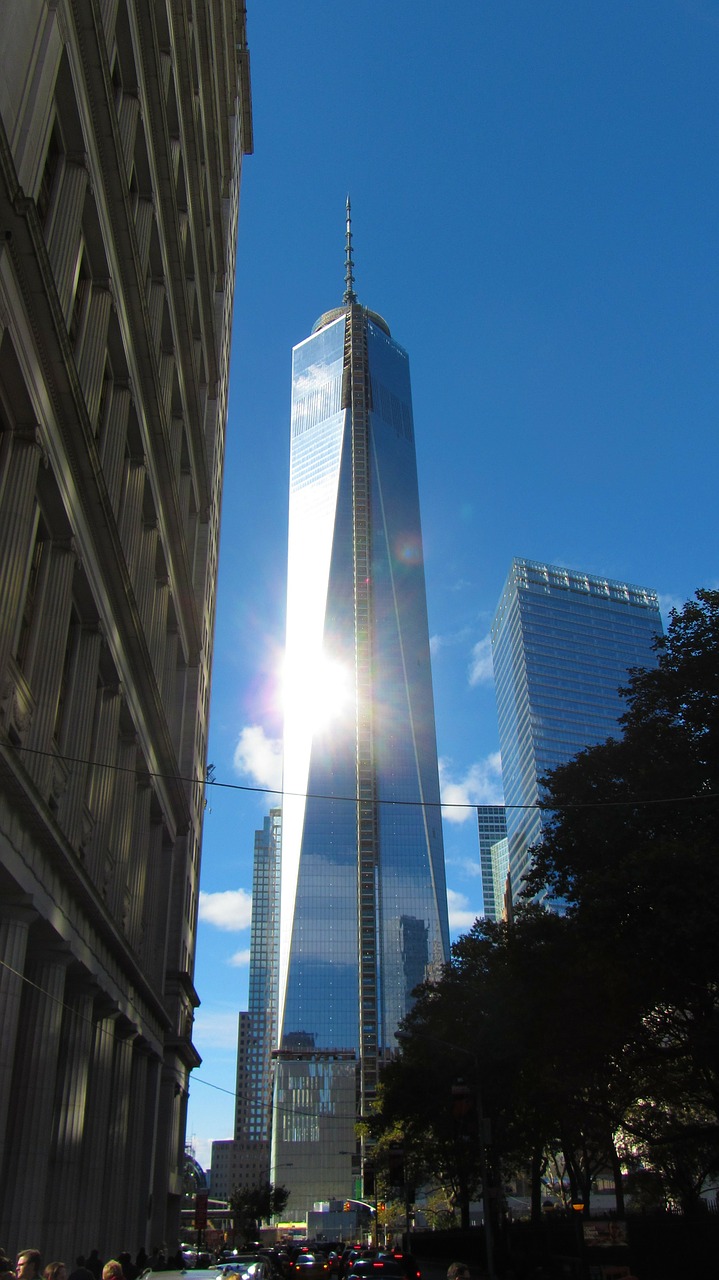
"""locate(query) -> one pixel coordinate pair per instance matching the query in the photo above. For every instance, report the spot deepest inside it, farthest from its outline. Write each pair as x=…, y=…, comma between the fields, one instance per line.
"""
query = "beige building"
x=122, y=127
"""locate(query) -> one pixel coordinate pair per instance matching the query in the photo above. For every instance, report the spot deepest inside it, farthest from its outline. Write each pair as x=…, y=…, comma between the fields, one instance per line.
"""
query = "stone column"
x=45, y=657
x=158, y=627
x=167, y=374
x=32, y=1100
x=102, y=776
x=17, y=531
x=139, y=858
x=76, y=728
x=121, y=827
x=155, y=304
x=128, y=115
x=164, y=1179
x=63, y=231
x=145, y=590
x=149, y=1148
x=156, y=904
x=92, y=353
x=176, y=435
x=108, y=9
x=113, y=436
x=130, y=520
x=96, y=1152
x=139, y=1135
x=65, y=1186
x=15, y=921
x=144, y=216
x=117, y=1133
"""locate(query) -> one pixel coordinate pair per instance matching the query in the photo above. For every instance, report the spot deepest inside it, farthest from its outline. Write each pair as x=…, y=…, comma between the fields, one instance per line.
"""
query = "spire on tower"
x=349, y=294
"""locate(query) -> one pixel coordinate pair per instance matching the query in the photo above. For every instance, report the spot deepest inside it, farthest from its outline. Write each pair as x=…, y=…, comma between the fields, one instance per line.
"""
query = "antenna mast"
x=350, y=296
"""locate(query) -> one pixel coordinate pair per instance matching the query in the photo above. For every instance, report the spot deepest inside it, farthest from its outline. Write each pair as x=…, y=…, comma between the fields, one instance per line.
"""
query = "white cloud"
x=461, y=915
x=259, y=757
x=240, y=959
x=214, y=1029
x=230, y=910
x=202, y=1148
x=481, y=670
x=481, y=784
x=466, y=866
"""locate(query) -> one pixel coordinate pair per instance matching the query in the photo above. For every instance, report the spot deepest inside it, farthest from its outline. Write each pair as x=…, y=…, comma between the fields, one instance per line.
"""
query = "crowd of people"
x=29, y=1266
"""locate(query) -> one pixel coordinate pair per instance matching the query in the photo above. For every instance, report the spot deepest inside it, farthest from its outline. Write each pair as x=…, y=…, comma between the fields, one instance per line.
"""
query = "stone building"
x=122, y=128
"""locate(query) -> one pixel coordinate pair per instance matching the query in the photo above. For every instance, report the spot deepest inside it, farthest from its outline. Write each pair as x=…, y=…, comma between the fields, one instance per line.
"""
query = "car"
x=405, y=1261
x=310, y=1266
x=246, y=1266
x=369, y=1268
x=349, y=1257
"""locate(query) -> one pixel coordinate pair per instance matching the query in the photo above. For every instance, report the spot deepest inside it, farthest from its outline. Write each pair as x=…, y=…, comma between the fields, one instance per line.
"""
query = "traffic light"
x=368, y=1181
x=347, y=1206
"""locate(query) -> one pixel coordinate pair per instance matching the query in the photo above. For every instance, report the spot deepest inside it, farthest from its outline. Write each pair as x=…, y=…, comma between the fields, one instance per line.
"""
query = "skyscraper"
x=562, y=644
x=363, y=912
x=492, y=827
x=122, y=128
x=244, y=1161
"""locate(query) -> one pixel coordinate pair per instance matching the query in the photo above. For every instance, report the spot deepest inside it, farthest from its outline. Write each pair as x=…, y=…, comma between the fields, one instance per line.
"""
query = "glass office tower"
x=492, y=827
x=364, y=911
x=562, y=643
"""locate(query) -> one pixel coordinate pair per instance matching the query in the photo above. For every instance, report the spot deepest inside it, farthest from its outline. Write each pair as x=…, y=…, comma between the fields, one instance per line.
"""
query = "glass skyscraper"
x=492, y=827
x=363, y=911
x=253, y=1126
x=562, y=644
x=244, y=1161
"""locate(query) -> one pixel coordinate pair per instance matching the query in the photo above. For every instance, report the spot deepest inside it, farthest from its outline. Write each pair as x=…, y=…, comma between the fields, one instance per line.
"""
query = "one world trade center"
x=363, y=916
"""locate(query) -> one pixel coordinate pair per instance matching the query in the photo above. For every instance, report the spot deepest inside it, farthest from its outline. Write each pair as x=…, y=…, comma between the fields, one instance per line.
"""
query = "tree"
x=251, y=1206
x=592, y=1032
x=631, y=846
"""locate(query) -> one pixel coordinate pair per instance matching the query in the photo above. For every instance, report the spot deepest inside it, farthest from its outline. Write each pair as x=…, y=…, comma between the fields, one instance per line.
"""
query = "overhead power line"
x=633, y=801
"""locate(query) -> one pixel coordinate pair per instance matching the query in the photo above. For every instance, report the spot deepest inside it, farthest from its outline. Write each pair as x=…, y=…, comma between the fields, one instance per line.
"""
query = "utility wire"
x=633, y=801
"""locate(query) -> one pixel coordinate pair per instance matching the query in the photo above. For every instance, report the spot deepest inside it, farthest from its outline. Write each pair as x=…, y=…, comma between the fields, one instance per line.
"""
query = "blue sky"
x=535, y=189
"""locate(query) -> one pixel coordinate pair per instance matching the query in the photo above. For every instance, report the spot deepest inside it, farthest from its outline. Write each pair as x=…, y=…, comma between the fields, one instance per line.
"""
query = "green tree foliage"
x=589, y=1029
x=251, y=1206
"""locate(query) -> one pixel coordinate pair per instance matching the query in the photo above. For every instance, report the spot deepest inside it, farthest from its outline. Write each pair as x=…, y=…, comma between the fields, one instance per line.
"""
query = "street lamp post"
x=404, y=1037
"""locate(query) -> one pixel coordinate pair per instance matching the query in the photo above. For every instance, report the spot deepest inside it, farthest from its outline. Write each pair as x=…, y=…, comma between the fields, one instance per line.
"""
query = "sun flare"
x=316, y=691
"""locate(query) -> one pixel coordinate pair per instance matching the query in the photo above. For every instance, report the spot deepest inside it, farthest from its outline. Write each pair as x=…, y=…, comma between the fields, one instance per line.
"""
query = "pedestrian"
x=112, y=1270
x=458, y=1271
x=28, y=1265
x=55, y=1271
x=94, y=1263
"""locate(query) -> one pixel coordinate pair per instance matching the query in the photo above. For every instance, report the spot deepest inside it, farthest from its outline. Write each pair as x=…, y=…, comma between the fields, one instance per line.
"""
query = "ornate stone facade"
x=122, y=128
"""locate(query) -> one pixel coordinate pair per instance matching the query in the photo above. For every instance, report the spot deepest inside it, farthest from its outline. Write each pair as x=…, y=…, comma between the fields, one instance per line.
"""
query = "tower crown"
x=349, y=298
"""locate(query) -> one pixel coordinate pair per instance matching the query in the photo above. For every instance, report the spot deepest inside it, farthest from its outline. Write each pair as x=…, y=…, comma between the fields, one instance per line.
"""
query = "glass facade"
x=492, y=825
x=263, y=975
x=562, y=643
x=364, y=912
